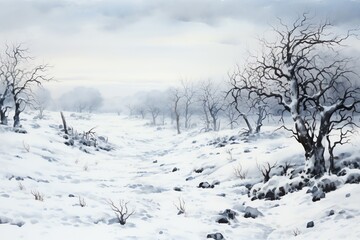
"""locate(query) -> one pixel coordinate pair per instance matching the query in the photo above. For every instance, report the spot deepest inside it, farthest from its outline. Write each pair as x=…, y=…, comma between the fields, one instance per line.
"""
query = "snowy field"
x=154, y=170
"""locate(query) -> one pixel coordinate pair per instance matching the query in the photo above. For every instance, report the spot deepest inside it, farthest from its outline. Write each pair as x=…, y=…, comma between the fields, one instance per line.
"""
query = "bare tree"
x=42, y=99
x=154, y=111
x=247, y=104
x=140, y=109
x=21, y=78
x=189, y=96
x=231, y=114
x=175, y=96
x=212, y=101
x=304, y=72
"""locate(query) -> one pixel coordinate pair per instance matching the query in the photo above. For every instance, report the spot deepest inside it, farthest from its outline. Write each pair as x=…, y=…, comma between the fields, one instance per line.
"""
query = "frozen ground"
x=141, y=170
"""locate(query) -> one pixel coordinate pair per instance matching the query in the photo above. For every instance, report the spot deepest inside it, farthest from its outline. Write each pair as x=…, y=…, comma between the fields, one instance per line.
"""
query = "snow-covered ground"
x=153, y=169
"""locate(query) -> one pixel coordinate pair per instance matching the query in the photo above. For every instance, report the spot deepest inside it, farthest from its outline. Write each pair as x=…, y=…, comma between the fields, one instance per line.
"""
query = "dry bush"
x=21, y=187
x=239, y=172
x=26, y=146
x=82, y=202
x=296, y=232
x=180, y=206
x=37, y=195
x=122, y=212
x=266, y=170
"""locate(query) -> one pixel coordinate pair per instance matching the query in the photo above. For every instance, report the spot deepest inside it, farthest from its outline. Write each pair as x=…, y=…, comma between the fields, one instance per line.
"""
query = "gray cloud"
x=111, y=15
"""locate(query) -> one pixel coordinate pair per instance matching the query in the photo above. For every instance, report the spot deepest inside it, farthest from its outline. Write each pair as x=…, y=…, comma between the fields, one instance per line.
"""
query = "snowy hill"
x=211, y=177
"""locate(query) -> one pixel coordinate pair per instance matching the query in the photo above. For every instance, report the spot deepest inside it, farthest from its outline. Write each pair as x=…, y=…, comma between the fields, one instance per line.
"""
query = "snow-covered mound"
x=189, y=186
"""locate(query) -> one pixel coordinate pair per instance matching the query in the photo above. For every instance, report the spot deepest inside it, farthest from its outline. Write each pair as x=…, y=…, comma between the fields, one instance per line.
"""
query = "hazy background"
x=121, y=47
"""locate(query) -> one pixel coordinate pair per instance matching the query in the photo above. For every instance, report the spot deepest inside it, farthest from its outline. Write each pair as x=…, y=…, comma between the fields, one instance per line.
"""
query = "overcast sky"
x=122, y=45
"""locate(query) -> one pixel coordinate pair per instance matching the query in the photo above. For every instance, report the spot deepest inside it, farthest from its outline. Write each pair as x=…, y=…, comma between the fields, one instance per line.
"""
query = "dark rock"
x=318, y=195
x=19, y=224
x=342, y=173
x=66, y=137
x=193, y=141
x=205, y=185
x=216, y=236
x=155, y=161
x=71, y=195
x=353, y=178
x=200, y=170
x=175, y=169
x=223, y=220
x=221, y=195
x=252, y=212
x=281, y=191
x=230, y=214
x=310, y=224
x=332, y=212
x=246, y=150
x=20, y=130
x=189, y=178
x=178, y=189
x=216, y=182
x=220, y=145
x=19, y=179
x=261, y=195
x=348, y=195
x=270, y=195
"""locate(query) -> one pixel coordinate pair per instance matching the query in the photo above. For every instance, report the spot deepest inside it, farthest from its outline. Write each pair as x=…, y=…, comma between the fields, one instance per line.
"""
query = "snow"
x=139, y=170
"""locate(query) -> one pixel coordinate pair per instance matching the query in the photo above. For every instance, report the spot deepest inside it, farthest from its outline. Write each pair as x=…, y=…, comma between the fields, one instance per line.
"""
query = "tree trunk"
x=315, y=162
x=3, y=117
x=214, y=123
x=64, y=123
x=314, y=151
x=206, y=117
x=178, y=123
x=247, y=123
x=260, y=119
x=17, y=115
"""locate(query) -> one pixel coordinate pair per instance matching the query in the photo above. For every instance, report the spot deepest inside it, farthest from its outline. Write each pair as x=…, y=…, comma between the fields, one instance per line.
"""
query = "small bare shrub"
x=285, y=167
x=266, y=170
x=82, y=202
x=180, y=206
x=229, y=152
x=239, y=172
x=296, y=232
x=26, y=146
x=122, y=213
x=86, y=168
x=21, y=187
x=37, y=195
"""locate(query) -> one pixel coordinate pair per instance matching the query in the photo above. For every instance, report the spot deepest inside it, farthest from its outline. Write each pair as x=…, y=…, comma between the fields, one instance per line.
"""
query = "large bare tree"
x=303, y=71
x=21, y=77
x=5, y=93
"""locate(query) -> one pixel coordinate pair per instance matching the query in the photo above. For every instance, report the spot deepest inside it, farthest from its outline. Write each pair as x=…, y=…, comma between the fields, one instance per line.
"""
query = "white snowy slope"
x=143, y=168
